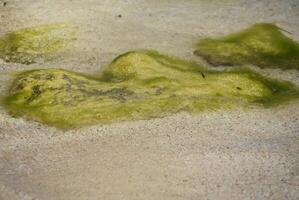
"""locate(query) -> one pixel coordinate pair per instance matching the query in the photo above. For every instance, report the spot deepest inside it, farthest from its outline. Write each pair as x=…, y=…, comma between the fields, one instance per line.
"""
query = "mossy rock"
x=137, y=85
x=29, y=44
x=263, y=45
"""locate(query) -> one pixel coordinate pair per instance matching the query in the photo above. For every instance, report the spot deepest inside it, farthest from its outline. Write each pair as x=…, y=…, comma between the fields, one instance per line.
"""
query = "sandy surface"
x=240, y=154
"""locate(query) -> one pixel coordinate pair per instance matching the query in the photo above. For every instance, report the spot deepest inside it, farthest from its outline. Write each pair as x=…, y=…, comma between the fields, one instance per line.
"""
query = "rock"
x=138, y=85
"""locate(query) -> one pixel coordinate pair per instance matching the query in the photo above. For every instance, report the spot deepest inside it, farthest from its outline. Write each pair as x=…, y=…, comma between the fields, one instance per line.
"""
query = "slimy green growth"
x=29, y=44
x=137, y=85
x=263, y=45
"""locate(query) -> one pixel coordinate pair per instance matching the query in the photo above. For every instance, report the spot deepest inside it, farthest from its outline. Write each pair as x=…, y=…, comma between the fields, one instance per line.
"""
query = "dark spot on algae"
x=263, y=45
x=138, y=85
x=27, y=45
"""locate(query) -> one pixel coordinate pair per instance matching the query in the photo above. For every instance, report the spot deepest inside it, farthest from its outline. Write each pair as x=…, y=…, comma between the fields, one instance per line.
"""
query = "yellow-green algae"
x=28, y=44
x=137, y=85
x=263, y=45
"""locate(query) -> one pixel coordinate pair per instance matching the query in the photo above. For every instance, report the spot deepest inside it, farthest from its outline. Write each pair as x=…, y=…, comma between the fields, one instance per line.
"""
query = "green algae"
x=138, y=85
x=29, y=44
x=263, y=45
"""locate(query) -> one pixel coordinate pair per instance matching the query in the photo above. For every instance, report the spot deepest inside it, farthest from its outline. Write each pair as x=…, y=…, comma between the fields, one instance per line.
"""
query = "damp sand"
x=237, y=154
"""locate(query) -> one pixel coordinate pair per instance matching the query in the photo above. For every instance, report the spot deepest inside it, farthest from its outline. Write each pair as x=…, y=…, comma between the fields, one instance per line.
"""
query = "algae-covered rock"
x=137, y=85
x=263, y=45
x=28, y=44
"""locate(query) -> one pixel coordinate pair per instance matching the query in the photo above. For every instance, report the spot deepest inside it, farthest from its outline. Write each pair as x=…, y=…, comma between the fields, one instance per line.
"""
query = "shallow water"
x=240, y=154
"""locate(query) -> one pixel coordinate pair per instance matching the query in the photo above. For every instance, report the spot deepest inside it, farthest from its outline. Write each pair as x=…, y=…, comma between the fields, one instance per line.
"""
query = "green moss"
x=28, y=44
x=137, y=85
x=263, y=45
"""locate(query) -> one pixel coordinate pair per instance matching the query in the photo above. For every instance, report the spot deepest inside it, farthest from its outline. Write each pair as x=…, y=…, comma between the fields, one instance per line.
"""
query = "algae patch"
x=263, y=45
x=137, y=85
x=29, y=44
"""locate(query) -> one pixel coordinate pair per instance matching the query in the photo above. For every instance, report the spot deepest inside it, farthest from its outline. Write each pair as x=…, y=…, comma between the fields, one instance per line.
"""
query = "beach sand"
x=235, y=154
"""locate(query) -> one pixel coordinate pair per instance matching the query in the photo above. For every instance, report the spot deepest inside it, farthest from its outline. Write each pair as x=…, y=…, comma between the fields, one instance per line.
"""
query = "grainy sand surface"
x=239, y=154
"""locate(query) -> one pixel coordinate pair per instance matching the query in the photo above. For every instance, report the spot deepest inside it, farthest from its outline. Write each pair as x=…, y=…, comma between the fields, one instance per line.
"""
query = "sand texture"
x=224, y=154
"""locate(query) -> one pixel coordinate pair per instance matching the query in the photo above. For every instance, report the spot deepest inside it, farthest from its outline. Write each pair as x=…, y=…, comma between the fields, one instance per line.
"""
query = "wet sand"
x=238, y=154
